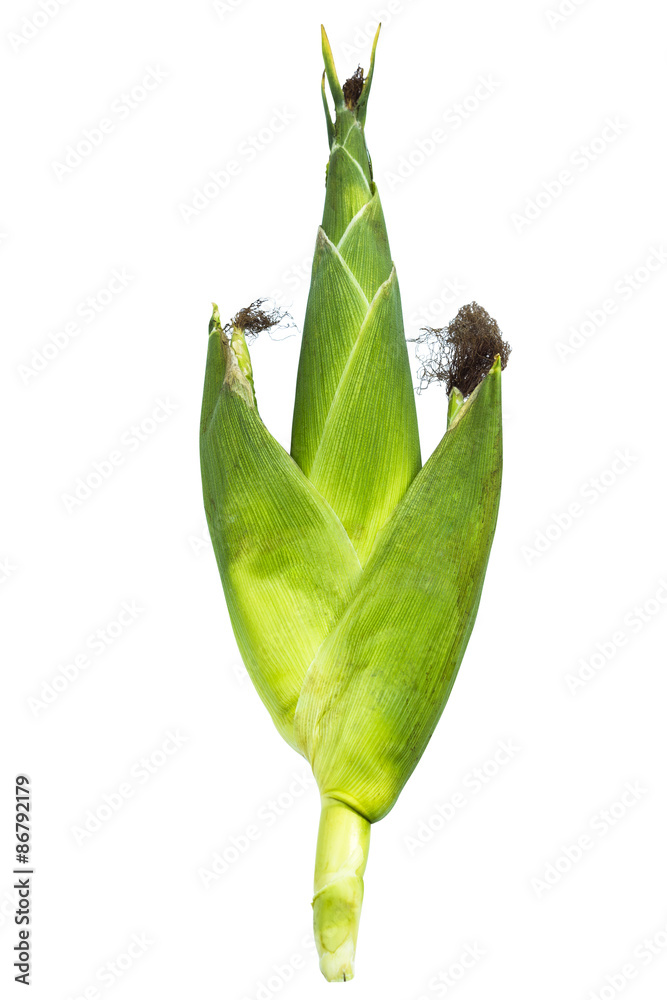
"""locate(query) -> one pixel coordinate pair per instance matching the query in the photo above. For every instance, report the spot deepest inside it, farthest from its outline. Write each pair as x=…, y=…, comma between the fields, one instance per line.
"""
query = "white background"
x=557, y=585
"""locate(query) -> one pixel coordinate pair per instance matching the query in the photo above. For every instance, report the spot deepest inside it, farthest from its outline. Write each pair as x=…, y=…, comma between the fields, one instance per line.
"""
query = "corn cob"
x=352, y=575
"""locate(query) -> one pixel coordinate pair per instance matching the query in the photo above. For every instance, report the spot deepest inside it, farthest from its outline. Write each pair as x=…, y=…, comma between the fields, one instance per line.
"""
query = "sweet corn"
x=352, y=575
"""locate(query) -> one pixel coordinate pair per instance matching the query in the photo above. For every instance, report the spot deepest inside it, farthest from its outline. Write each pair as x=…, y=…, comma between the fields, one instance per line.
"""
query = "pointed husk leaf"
x=287, y=566
x=378, y=685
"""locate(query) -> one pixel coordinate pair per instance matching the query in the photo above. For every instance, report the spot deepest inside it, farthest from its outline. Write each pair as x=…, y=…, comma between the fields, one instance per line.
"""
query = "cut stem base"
x=342, y=851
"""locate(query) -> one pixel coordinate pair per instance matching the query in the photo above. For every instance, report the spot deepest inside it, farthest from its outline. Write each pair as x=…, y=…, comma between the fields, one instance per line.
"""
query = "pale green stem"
x=342, y=851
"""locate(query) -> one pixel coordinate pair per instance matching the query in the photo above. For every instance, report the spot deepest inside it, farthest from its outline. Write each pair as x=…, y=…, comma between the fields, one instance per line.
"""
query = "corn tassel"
x=352, y=575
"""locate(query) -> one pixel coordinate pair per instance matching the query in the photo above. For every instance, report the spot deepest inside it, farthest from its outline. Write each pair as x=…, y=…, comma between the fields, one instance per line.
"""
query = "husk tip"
x=330, y=70
x=214, y=322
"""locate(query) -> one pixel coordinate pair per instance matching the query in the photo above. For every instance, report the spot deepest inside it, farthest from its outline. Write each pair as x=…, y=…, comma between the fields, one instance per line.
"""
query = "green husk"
x=380, y=681
x=354, y=384
x=287, y=566
x=352, y=575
